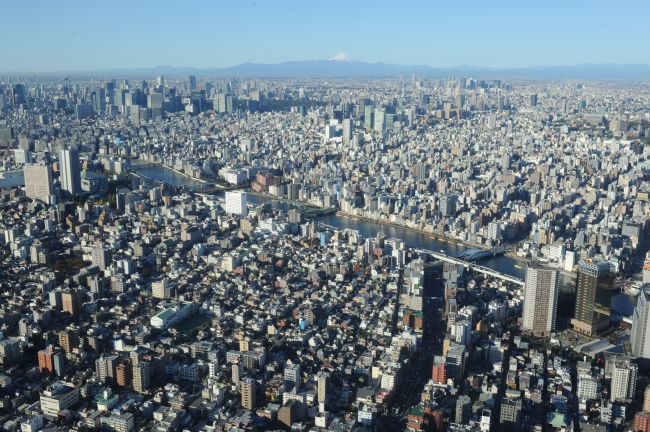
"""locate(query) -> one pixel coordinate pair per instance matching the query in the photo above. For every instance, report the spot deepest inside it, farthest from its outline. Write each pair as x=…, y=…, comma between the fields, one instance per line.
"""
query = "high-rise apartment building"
x=448, y=205
x=70, y=172
x=72, y=301
x=101, y=257
x=38, y=181
x=10, y=351
x=593, y=296
x=141, y=377
x=68, y=340
x=124, y=373
x=540, y=299
x=510, y=415
x=236, y=203
x=624, y=375
x=248, y=390
x=463, y=409
x=323, y=385
x=52, y=360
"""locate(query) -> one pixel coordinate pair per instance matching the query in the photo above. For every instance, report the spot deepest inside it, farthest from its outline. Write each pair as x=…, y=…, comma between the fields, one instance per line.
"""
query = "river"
x=163, y=174
x=620, y=302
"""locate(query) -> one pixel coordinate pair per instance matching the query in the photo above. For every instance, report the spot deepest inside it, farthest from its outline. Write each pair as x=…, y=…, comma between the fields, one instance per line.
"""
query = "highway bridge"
x=472, y=266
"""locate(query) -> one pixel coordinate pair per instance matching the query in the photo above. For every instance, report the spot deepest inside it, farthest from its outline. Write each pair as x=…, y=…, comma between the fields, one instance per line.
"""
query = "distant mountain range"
x=344, y=65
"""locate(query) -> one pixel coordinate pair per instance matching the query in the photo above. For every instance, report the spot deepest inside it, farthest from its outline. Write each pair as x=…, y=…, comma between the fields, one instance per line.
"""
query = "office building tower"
x=73, y=301
x=156, y=102
x=624, y=376
x=70, y=172
x=347, y=130
x=101, y=257
x=192, y=82
x=68, y=340
x=593, y=296
x=448, y=205
x=141, y=377
x=248, y=391
x=38, y=182
x=379, y=123
x=236, y=203
x=83, y=111
x=292, y=378
x=368, y=116
x=99, y=100
x=540, y=299
x=323, y=385
x=463, y=408
x=533, y=100
x=510, y=415
x=160, y=80
x=640, y=336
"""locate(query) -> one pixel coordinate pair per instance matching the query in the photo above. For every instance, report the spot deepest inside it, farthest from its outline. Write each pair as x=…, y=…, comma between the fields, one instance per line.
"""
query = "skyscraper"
x=640, y=337
x=248, y=390
x=70, y=171
x=347, y=130
x=38, y=181
x=99, y=100
x=192, y=82
x=593, y=296
x=236, y=203
x=540, y=299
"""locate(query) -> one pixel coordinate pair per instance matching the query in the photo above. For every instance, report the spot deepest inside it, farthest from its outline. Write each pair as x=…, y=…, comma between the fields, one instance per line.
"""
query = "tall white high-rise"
x=624, y=376
x=640, y=337
x=236, y=203
x=540, y=299
x=70, y=171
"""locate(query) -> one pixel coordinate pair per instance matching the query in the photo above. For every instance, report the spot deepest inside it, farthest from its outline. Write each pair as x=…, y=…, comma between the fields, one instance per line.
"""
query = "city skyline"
x=504, y=35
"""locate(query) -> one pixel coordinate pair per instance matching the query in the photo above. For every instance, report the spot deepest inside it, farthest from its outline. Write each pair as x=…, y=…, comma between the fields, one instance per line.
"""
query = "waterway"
x=163, y=174
x=12, y=179
x=620, y=302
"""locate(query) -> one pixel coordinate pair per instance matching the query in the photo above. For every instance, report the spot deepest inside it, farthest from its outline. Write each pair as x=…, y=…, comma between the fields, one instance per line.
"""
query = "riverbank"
x=434, y=236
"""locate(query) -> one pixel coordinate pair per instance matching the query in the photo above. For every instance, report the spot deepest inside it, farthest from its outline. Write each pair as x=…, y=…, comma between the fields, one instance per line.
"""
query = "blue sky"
x=48, y=36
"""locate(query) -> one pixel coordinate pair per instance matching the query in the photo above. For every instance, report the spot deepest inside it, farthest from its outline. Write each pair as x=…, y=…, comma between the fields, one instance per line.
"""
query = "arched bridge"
x=474, y=254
